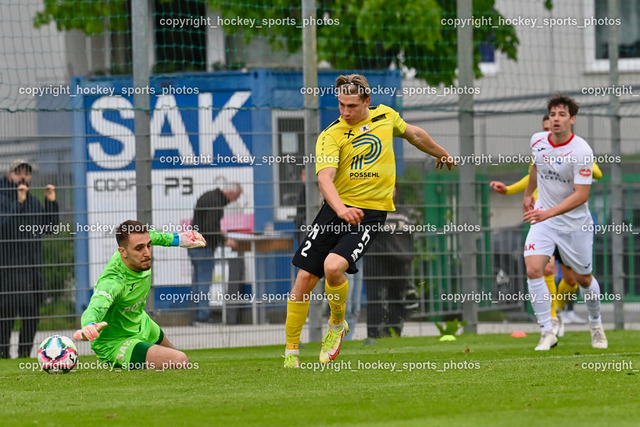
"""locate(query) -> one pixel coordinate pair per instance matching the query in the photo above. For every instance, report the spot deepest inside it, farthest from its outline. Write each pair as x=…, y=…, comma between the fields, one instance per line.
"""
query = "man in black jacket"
x=207, y=215
x=23, y=220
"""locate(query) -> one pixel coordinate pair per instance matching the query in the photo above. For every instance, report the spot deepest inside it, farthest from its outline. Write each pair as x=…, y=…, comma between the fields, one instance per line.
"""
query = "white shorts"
x=575, y=247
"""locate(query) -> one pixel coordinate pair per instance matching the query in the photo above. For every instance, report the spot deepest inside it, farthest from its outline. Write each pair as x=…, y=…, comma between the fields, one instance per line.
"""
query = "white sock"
x=288, y=352
x=591, y=297
x=541, y=302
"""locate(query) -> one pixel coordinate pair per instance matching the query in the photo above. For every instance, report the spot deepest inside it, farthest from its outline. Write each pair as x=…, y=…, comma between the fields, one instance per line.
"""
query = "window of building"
x=597, y=25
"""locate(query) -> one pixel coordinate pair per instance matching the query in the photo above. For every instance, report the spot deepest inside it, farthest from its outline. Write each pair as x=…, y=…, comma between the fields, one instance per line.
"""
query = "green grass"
x=501, y=381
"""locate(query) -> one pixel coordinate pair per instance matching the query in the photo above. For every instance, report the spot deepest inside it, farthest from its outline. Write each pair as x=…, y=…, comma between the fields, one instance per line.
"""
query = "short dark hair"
x=353, y=84
x=571, y=105
x=128, y=227
x=545, y=118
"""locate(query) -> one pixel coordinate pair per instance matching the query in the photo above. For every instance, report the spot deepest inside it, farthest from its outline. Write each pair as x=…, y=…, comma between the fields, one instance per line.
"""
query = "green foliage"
x=373, y=34
x=276, y=22
x=57, y=315
x=370, y=34
x=58, y=258
x=90, y=17
x=451, y=327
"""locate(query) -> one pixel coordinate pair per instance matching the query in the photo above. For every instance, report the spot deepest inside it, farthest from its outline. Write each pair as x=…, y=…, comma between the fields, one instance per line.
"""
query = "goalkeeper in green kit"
x=120, y=331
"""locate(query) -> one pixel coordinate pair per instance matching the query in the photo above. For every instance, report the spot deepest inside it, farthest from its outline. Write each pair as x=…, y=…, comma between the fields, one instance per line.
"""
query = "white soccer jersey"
x=559, y=168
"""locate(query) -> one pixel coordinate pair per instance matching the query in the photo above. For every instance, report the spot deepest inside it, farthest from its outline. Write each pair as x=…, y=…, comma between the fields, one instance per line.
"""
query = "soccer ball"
x=57, y=354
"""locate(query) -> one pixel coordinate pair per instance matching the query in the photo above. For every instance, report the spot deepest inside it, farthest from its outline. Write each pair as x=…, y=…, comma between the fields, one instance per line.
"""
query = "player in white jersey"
x=562, y=171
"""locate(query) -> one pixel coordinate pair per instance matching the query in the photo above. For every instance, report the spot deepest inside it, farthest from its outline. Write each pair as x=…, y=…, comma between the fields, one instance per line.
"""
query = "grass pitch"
x=477, y=380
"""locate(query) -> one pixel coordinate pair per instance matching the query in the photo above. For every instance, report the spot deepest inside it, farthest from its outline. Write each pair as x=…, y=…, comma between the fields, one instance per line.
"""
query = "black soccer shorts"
x=556, y=254
x=331, y=234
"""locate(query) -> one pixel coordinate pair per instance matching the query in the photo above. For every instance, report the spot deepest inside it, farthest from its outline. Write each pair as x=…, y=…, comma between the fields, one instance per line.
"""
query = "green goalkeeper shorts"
x=131, y=352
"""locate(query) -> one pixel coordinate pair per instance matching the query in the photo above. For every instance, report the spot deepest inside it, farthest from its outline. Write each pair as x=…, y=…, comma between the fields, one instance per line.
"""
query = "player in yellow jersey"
x=356, y=171
x=568, y=286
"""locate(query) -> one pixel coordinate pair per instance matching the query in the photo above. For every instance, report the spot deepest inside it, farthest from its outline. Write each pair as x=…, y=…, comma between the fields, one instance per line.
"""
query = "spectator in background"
x=391, y=296
x=23, y=220
x=207, y=215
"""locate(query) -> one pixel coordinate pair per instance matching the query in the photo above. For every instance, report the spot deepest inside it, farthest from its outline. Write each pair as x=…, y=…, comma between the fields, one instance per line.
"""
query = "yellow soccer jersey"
x=364, y=158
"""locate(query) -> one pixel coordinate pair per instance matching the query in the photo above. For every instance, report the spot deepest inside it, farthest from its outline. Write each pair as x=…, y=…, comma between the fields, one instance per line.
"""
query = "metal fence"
x=246, y=296
x=73, y=105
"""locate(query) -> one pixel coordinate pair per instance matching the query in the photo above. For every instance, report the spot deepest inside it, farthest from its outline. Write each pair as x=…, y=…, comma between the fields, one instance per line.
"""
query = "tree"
x=373, y=34
x=369, y=34
x=90, y=17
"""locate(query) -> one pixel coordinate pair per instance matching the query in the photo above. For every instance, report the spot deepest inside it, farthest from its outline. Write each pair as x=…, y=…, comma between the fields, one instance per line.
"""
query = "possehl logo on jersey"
x=359, y=161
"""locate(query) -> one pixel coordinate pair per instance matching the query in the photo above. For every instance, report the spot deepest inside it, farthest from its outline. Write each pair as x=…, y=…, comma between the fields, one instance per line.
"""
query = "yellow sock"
x=337, y=297
x=551, y=285
x=296, y=316
x=564, y=289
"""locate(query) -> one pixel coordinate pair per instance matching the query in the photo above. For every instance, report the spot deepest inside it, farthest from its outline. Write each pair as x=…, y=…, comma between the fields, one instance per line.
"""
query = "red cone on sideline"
x=519, y=334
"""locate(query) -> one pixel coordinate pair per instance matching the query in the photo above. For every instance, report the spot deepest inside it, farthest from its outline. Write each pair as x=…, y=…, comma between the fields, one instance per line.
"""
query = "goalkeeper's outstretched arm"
x=104, y=295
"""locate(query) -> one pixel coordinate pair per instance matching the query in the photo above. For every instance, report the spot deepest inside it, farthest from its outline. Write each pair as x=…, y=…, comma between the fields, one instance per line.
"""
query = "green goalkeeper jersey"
x=120, y=296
